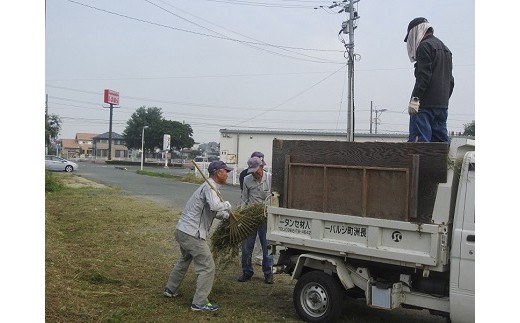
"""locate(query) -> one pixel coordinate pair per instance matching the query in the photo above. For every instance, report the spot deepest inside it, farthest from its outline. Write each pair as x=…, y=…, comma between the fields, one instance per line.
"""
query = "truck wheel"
x=317, y=297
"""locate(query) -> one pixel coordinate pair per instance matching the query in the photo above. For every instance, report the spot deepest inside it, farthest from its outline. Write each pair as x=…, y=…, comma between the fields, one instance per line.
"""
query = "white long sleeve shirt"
x=200, y=211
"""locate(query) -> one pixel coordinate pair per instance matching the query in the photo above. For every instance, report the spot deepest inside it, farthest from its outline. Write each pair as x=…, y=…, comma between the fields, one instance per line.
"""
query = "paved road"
x=166, y=191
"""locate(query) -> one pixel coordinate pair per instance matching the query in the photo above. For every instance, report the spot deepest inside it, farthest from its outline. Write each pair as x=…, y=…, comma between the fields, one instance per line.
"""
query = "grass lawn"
x=108, y=256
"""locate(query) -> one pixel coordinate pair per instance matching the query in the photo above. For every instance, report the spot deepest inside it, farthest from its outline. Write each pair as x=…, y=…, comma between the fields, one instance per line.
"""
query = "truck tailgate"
x=393, y=242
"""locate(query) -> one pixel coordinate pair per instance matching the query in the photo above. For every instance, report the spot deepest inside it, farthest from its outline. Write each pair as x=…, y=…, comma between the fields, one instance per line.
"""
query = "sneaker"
x=244, y=278
x=168, y=293
x=268, y=279
x=207, y=307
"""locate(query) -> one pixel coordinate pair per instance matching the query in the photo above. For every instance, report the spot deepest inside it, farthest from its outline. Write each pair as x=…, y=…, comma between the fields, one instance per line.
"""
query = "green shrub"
x=52, y=182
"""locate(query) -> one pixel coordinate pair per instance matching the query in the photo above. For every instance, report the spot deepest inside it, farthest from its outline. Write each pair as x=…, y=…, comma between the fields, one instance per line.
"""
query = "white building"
x=236, y=146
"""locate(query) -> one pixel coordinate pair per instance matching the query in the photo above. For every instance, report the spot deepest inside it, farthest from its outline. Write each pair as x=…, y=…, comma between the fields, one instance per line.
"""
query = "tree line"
x=157, y=126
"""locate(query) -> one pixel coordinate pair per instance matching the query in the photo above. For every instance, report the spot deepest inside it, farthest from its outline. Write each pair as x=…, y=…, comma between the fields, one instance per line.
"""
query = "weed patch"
x=52, y=182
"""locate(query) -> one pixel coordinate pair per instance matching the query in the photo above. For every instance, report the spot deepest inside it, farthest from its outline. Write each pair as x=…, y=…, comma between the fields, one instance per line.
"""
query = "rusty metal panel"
x=306, y=188
x=361, y=191
x=339, y=177
x=345, y=191
x=388, y=193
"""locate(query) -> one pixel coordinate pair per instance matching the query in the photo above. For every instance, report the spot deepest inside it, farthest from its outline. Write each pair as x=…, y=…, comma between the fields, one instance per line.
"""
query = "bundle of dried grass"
x=229, y=234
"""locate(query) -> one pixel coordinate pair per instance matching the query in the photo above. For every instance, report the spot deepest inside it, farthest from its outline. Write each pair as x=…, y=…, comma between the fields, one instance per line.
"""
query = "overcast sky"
x=237, y=64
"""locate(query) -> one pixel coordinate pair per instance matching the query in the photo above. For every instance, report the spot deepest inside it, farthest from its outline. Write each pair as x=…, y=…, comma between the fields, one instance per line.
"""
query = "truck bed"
x=391, y=181
x=403, y=243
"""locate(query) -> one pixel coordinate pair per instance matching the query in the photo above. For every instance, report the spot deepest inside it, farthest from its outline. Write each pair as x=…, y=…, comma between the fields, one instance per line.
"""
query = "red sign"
x=111, y=97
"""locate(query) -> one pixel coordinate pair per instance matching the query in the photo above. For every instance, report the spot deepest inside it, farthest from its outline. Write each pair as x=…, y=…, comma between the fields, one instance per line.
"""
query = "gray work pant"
x=195, y=249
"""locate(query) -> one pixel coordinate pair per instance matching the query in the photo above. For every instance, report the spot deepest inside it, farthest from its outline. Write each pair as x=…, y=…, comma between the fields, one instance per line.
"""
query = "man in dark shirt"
x=434, y=82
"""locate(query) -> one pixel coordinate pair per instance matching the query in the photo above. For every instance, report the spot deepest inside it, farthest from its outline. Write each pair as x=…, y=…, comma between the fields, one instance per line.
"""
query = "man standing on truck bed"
x=434, y=82
x=257, y=190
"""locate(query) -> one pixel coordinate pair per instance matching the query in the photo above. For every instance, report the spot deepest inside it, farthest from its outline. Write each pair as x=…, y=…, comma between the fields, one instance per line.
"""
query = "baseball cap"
x=218, y=164
x=414, y=23
x=260, y=155
x=254, y=163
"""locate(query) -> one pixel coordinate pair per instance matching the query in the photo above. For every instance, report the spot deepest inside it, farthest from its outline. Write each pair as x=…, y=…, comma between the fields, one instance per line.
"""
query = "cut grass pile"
x=108, y=256
x=227, y=238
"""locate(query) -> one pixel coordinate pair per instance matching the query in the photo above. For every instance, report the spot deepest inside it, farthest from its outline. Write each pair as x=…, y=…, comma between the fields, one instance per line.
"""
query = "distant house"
x=69, y=148
x=85, y=142
x=100, y=146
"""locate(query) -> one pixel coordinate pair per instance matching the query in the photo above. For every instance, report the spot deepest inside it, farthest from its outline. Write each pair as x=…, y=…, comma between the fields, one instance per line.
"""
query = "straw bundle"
x=229, y=234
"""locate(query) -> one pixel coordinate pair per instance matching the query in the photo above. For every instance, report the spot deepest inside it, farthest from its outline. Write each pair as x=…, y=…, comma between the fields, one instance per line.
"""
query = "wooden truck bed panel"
x=396, y=181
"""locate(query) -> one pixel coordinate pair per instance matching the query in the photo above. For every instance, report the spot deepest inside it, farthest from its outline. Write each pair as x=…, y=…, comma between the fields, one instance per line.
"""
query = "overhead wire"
x=291, y=98
x=194, y=117
x=208, y=35
x=191, y=104
x=226, y=38
x=291, y=50
x=263, y=4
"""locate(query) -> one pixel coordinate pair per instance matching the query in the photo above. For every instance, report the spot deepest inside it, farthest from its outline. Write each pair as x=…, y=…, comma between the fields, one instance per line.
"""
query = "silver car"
x=59, y=164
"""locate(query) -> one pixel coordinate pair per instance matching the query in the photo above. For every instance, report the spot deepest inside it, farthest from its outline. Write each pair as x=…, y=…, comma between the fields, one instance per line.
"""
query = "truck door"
x=462, y=269
x=467, y=247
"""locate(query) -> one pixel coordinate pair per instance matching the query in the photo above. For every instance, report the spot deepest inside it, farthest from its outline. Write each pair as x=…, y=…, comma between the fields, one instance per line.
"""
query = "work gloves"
x=227, y=205
x=413, y=106
x=223, y=215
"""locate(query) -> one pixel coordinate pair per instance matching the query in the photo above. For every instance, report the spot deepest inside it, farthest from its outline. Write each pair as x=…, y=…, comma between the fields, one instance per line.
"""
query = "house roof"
x=105, y=136
x=85, y=135
x=69, y=144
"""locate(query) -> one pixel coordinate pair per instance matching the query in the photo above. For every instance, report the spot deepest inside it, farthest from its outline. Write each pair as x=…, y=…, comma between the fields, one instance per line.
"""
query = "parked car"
x=202, y=162
x=56, y=163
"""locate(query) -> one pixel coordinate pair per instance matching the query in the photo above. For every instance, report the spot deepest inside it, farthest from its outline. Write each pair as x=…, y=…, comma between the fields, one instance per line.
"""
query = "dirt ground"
x=73, y=180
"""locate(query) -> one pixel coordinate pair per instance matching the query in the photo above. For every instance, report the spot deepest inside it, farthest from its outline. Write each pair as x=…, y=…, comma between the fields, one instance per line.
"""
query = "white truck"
x=373, y=251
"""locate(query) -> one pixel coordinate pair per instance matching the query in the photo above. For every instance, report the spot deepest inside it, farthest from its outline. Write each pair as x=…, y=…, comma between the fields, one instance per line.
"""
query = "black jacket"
x=433, y=73
x=243, y=174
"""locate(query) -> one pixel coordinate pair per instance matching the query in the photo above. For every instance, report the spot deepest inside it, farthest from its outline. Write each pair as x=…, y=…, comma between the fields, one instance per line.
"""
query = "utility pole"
x=347, y=27
x=371, y=117
x=378, y=114
x=110, y=133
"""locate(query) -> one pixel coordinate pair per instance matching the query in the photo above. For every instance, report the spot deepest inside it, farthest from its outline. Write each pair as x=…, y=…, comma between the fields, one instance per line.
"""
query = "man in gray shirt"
x=256, y=190
x=192, y=232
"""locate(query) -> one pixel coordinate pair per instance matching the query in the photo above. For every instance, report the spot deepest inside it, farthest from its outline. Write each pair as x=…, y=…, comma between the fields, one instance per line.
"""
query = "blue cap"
x=218, y=164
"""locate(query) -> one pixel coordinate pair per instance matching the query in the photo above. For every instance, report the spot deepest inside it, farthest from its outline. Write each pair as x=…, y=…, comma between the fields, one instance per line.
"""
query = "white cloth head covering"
x=415, y=35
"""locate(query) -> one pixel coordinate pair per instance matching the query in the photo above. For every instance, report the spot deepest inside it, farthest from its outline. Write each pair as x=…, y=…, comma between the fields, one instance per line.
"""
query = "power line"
x=191, y=104
x=256, y=40
x=212, y=36
x=263, y=4
x=291, y=98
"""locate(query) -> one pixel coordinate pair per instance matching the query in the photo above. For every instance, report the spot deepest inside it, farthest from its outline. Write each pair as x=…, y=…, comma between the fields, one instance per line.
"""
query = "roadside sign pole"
x=110, y=97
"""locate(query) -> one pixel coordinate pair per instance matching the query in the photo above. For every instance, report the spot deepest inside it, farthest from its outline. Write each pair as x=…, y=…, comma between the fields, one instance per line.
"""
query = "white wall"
x=242, y=143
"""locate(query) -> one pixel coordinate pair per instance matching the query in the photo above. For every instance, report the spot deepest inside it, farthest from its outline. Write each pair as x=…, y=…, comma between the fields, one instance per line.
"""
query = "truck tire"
x=318, y=297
